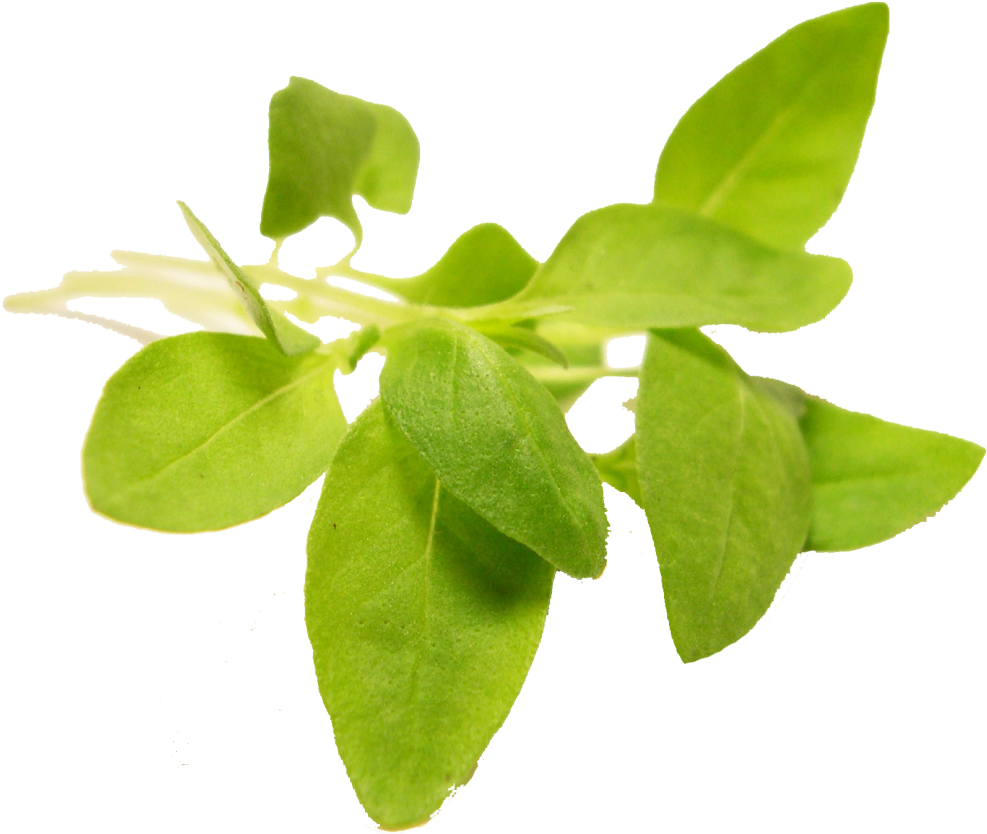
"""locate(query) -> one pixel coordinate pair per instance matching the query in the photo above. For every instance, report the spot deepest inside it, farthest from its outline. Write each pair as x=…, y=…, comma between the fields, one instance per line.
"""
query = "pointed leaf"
x=206, y=430
x=872, y=479
x=769, y=150
x=525, y=339
x=483, y=266
x=423, y=620
x=634, y=267
x=588, y=354
x=289, y=337
x=324, y=148
x=725, y=482
x=497, y=441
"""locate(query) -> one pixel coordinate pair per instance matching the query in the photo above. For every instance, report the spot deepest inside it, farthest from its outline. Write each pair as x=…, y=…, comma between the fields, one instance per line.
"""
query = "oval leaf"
x=636, y=267
x=289, y=337
x=324, y=148
x=207, y=430
x=724, y=477
x=872, y=479
x=769, y=150
x=423, y=620
x=497, y=441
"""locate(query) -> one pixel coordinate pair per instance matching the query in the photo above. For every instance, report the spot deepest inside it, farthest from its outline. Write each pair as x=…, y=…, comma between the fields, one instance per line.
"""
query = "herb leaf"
x=872, y=479
x=497, y=441
x=484, y=265
x=324, y=148
x=207, y=430
x=289, y=337
x=528, y=339
x=635, y=267
x=769, y=150
x=423, y=620
x=583, y=347
x=725, y=481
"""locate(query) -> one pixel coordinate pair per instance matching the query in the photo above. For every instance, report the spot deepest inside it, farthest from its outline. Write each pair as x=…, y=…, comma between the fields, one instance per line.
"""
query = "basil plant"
x=450, y=504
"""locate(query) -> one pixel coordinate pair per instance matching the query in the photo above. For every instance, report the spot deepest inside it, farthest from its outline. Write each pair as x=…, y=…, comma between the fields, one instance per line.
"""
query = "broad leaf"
x=871, y=479
x=633, y=267
x=483, y=266
x=324, y=148
x=724, y=478
x=206, y=430
x=497, y=441
x=289, y=337
x=769, y=150
x=423, y=620
x=619, y=469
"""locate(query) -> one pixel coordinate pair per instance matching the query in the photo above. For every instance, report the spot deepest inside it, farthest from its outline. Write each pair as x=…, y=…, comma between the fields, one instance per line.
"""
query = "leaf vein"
x=132, y=487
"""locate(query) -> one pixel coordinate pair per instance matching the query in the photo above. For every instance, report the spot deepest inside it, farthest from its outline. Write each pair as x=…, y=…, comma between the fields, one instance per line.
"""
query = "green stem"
x=581, y=373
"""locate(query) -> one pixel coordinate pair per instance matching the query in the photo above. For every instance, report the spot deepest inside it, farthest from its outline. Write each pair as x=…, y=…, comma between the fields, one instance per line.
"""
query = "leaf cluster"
x=449, y=505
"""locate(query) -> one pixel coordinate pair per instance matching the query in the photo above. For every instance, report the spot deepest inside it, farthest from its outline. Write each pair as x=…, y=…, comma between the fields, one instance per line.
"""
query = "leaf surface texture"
x=724, y=478
x=497, y=441
x=207, y=430
x=770, y=148
x=423, y=618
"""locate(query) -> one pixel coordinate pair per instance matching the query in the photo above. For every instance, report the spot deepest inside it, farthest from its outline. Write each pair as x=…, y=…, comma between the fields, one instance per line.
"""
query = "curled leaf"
x=325, y=148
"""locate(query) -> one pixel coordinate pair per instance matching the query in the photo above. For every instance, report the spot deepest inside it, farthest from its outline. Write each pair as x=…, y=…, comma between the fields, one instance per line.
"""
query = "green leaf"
x=324, y=148
x=725, y=484
x=497, y=441
x=619, y=469
x=207, y=430
x=423, y=620
x=483, y=266
x=525, y=339
x=769, y=150
x=871, y=479
x=634, y=267
x=585, y=349
x=289, y=337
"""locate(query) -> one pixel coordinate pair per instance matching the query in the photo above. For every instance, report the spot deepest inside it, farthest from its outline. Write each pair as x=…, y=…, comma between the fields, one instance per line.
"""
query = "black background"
x=139, y=653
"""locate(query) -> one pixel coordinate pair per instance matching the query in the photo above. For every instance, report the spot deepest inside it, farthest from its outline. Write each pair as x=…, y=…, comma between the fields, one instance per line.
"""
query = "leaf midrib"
x=426, y=562
x=527, y=426
x=721, y=559
x=122, y=494
x=732, y=177
x=878, y=476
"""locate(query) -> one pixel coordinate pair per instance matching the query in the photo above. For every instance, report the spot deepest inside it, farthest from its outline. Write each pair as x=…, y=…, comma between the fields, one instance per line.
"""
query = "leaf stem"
x=579, y=373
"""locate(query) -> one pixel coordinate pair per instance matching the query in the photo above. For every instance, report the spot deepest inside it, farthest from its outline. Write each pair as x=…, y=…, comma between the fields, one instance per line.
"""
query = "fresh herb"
x=451, y=502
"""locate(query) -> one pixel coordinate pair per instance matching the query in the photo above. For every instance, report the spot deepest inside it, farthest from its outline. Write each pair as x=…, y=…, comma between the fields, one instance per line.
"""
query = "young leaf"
x=207, y=430
x=871, y=479
x=497, y=441
x=725, y=484
x=289, y=337
x=525, y=339
x=324, y=148
x=483, y=266
x=634, y=267
x=619, y=469
x=423, y=620
x=769, y=150
x=584, y=351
